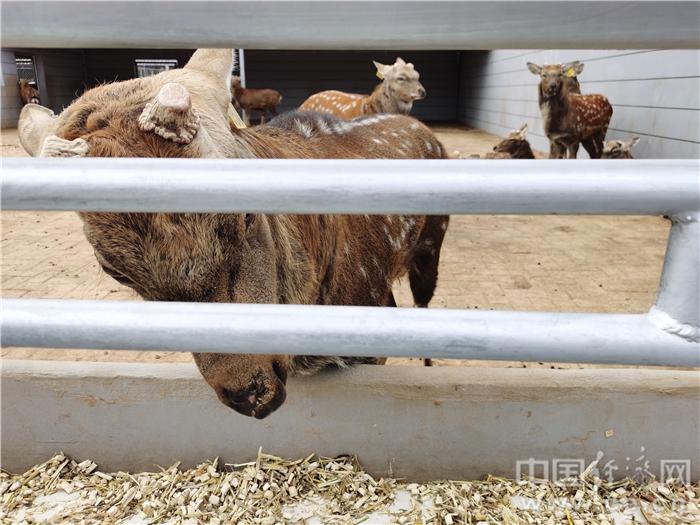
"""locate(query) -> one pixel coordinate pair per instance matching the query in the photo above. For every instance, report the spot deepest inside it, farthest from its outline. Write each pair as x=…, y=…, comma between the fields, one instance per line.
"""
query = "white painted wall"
x=655, y=95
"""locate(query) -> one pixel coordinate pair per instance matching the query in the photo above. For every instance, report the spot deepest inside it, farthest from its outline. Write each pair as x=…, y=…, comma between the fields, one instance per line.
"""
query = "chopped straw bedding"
x=315, y=490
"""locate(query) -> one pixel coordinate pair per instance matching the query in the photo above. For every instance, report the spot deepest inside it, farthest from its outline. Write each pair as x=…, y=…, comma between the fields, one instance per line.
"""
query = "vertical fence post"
x=677, y=308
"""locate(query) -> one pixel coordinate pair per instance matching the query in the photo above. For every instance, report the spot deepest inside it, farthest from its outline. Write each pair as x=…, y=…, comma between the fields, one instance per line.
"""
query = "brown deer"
x=619, y=149
x=261, y=100
x=515, y=145
x=570, y=118
x=28, y=92
x=399, y=88
x=252, y=257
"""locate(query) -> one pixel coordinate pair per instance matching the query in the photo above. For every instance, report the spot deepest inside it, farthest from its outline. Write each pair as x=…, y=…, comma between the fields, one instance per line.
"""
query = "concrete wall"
x=413, y=422
x=9, y=90
x=299, y=74
x=655, y=95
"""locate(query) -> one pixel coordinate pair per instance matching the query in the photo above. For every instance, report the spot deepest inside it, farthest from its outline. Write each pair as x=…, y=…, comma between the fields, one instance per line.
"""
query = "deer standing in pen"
x=243, y=257
x=260, y=100
x=570, y=118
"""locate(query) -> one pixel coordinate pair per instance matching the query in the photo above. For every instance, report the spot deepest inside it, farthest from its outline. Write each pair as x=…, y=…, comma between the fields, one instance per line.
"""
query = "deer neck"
x=554, y=110
x=382, y=101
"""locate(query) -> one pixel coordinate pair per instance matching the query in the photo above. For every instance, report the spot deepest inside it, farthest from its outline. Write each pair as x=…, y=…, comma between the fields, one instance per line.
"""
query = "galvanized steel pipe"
x=351, y=25
x=643, y=187
x=343, y=330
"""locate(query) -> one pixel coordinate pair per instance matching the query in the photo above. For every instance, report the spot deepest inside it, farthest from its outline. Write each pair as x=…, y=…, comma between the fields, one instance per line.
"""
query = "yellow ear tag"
x=380, y=75
x=234, y=118
x=570, y=72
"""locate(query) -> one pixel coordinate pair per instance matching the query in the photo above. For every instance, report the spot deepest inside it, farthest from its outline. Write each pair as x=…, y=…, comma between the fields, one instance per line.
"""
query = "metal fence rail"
x=344, y=330
x=352, y=25
x=667, y=335
x=645, y=187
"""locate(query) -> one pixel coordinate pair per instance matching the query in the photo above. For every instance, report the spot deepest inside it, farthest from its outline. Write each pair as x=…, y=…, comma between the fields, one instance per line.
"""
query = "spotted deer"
x=399, y=88
x=243, y=257
x=515, y=145
x=570, y=118
x=619, y=149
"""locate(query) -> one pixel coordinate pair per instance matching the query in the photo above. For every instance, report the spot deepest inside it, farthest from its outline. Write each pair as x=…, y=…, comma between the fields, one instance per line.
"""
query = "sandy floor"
x=574, y=263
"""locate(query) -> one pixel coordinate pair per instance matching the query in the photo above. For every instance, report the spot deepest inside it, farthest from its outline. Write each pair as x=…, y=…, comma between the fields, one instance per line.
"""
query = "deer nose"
x=261, y=397
x=422, y=92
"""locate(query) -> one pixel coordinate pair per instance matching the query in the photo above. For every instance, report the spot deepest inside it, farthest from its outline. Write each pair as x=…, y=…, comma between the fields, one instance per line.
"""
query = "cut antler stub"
x=171, y=115
x=57, y=147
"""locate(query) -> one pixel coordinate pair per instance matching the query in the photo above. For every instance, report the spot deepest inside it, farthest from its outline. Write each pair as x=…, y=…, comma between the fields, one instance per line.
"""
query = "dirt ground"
x=507, y=262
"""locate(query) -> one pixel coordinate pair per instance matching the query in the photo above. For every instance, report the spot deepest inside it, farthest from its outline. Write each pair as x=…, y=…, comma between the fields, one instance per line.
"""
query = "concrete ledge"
x=412, y=422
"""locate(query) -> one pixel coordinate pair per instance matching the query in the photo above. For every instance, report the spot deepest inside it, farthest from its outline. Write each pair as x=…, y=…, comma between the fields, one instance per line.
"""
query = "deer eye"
x=402, y=79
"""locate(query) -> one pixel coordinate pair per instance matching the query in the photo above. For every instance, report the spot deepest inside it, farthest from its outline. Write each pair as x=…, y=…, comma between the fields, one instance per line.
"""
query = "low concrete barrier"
x=416, y=423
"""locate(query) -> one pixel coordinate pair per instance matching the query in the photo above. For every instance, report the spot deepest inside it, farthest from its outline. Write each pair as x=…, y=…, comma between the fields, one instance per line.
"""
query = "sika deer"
x=261, y=100
x=618, y=149
x=399, y=88
x=28, y=92
x=236, y=257
x=570, y=118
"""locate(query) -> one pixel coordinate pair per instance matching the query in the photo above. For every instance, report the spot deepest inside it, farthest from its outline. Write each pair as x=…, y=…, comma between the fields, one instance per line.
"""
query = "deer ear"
x=216, y=62
x=399, y=62
x=522, y=132
x=381, y=69
x=633, y=142
x=578, y=67
x=170, y=114
x=570, y=69
x=34, y=125
x=534, y=68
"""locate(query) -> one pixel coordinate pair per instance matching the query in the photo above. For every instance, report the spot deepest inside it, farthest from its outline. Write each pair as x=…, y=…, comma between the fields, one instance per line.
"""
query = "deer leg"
x=572, y=150
x=423, y=272
x=594, y=145
x=598, y=142
x=591, y=148
x=391, y=302
x=263, y=114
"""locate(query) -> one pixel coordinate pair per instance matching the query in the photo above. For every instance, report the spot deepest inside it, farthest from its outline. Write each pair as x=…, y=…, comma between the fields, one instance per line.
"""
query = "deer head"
x=175, y=257
x=401, y=81
x=513, y=141
x=618, y=149
x=28, y=91
x=554, y=77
